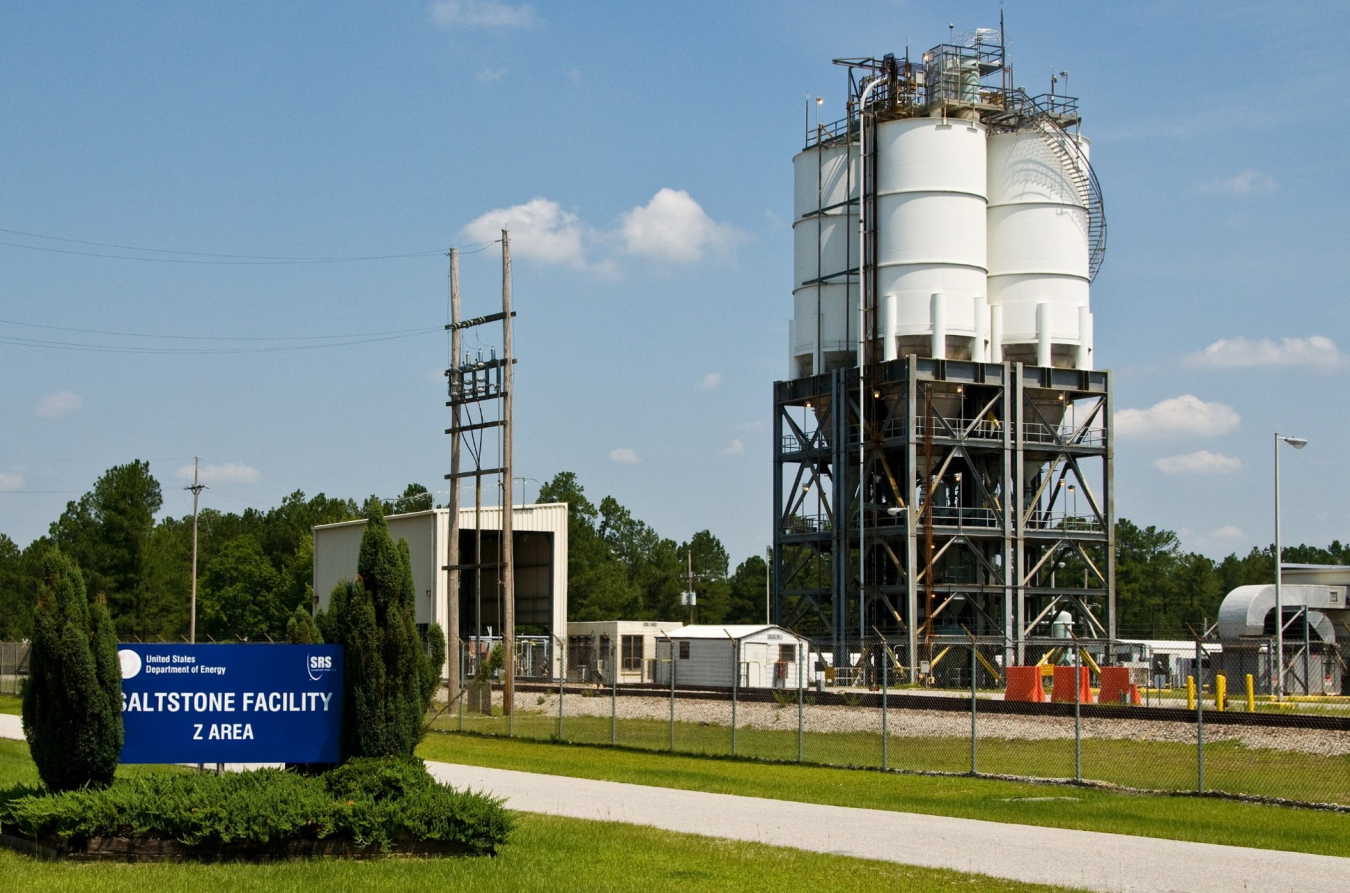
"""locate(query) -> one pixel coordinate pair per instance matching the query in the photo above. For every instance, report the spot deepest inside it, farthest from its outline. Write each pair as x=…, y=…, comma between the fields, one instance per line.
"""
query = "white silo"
x=823, y=334
x=1038, y=248
x=931, y=219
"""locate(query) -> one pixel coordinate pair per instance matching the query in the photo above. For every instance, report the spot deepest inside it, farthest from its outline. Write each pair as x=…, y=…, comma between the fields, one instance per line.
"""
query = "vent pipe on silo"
x=980, y=350
x=1084, y=358
x=1044, y=352
x=938, y=314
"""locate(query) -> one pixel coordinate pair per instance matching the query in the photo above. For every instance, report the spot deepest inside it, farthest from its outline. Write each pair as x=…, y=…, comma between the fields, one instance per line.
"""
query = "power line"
x=34, y=325
x=112, y=348
x=208, y=257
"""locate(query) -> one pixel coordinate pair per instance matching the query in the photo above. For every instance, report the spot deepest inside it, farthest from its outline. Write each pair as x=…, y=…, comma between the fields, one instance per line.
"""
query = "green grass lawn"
x=1153, y=765
x=11, y=704
x=1205, y=820
x=545, y=854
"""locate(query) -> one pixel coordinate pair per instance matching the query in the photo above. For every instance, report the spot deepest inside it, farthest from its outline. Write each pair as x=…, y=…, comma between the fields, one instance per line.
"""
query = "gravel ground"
x=932, y=724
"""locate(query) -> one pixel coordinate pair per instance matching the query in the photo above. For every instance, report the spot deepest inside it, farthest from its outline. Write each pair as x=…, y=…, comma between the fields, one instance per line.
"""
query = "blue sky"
x=642, y=153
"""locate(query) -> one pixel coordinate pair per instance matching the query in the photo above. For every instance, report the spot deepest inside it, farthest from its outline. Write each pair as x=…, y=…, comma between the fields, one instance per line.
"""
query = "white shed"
x=596, y=648
x=756, y=656
x=540, y=537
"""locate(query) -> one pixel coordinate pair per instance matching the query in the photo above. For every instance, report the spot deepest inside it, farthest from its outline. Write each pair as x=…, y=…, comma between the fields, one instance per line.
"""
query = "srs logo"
x=317, y=665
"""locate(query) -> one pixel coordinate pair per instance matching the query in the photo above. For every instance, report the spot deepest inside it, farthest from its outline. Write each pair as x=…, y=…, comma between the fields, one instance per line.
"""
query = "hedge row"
x=376, y=801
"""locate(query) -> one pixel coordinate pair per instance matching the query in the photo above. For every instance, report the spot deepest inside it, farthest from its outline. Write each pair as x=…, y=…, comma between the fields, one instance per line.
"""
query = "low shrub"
x=373, y=801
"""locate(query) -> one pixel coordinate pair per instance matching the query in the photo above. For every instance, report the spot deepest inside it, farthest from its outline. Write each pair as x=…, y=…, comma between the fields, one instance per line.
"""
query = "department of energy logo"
x=131, y=663
x=317, y=665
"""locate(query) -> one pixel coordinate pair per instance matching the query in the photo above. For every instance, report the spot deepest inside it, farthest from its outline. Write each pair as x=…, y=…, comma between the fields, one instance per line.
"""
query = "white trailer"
x=750, y=655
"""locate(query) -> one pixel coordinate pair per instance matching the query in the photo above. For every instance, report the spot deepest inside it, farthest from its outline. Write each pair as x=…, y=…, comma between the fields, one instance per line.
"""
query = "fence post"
x=1199, y=724
x=672, y=696
x=735, y=684
x=614, y=709
x=885, y=689
x=562, y=678
x=1077, y=711
x=463, y=689
x=974, y=712
x=801, y=701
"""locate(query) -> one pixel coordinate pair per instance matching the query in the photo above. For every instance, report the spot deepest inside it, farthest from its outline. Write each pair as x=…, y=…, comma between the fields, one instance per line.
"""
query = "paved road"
x=1084, y=859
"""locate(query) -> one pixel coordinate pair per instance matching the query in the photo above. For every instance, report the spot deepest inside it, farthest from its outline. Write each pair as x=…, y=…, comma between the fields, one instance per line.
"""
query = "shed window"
x=633, y=653
x=684, y=651
x=787, y=654
x=578, y=651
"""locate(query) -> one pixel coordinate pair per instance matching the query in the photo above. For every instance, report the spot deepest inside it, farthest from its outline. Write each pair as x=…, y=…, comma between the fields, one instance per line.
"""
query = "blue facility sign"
x=231, y=703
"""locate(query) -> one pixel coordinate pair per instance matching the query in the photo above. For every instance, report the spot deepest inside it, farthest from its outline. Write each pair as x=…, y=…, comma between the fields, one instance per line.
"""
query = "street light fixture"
x=1297, y=443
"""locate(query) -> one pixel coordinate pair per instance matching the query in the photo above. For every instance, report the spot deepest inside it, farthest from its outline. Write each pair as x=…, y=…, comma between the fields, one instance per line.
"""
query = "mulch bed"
x=156, y=849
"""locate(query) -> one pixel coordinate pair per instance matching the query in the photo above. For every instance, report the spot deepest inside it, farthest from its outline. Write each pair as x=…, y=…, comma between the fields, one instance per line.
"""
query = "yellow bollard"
x=1190, y=692
x=1251, y=695
x=1221, y=692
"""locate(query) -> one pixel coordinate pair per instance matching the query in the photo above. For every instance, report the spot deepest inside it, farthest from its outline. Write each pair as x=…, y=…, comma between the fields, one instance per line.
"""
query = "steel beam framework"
x=981, y=502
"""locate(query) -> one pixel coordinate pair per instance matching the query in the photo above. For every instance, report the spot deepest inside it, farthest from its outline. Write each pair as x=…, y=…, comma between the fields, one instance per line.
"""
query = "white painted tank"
x=931, y=218
x=823, y=333
x=1037, y=254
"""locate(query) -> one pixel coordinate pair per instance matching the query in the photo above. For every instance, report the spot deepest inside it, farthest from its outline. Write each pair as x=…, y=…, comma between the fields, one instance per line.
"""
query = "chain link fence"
x=1181, y=717
x=13, y=667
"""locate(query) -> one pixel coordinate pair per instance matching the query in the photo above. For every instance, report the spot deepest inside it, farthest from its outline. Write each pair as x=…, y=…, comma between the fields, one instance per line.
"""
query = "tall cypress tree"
x=385, y=693
x=72, y=698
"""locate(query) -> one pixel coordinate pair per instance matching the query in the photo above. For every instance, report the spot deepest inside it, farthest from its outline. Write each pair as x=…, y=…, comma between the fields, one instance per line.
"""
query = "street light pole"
x=1277, y=686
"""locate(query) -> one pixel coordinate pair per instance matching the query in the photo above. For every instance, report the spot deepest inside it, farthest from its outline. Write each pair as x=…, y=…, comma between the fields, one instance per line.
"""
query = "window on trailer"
x=684, y=651
x=632, y=653
x=787, y=654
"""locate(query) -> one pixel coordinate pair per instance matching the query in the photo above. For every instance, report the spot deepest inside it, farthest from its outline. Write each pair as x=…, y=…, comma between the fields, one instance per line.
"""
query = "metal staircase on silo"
x=1075, y=163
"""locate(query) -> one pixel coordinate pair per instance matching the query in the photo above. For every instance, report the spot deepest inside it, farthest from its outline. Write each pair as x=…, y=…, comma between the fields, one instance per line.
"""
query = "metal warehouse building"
x=540, y=539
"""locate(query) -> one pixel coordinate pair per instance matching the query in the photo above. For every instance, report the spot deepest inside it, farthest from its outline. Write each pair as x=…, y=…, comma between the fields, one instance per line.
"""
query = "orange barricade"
x=1116, y=687
x=1024, y=684
x=1063, y=690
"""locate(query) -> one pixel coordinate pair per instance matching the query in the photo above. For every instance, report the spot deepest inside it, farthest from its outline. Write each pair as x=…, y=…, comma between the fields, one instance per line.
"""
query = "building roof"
x=727, y=631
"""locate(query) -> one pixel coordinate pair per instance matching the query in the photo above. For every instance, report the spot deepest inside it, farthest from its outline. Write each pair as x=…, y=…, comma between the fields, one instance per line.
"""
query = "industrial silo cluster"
x=980, y=241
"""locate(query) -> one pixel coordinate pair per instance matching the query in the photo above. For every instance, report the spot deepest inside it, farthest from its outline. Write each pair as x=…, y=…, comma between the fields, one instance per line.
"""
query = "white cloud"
x=490, y=75
x=735, y=448
x=10, y=481
x=1199, y=462
x=1227, y=532
x=482, y=14
x=55, y=405
x=1317, y=350
x=225, y=473
x=1184, y=416
x=673, y=228
x=1249, y=182
x=709, y=381
x=540, y=229
x=623, y=456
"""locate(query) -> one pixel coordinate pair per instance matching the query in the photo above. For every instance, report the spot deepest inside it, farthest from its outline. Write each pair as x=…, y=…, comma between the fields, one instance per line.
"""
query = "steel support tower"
x=978, y=499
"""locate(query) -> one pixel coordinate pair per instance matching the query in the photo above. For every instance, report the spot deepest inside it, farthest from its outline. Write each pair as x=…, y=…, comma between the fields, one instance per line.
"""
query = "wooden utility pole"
x=480, y=381
x=196, y=488
x=452, y=647
x=508, y=575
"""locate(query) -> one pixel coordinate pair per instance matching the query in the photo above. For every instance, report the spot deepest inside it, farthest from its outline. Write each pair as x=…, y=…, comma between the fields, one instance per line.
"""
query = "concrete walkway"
x=1083, y=859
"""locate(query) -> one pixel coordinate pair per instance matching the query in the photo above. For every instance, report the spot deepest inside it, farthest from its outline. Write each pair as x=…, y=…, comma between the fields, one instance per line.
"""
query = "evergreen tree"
x=302, y=630
x=386, y=672
x=72, y=698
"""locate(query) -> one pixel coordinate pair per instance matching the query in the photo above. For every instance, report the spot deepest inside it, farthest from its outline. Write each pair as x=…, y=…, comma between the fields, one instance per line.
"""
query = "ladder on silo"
x=1075, y=163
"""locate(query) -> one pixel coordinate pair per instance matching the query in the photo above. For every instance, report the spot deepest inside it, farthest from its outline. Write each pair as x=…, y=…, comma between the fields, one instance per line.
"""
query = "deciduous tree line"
x=256, y=568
